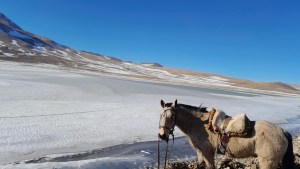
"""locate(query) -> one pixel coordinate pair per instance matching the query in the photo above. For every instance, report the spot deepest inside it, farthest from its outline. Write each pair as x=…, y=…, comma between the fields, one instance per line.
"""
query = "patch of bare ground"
x=189, y=72
x=222, y=162
x=272, y=86
x=267, y=86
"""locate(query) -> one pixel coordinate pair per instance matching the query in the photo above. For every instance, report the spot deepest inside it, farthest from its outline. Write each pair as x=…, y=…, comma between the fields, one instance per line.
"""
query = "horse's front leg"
x=207, y=154
x=209, y=160
x=200, y=157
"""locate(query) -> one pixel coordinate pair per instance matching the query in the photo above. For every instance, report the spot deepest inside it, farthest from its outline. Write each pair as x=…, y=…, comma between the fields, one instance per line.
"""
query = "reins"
x=166, y=156
x=158, y=153
x=166, y=153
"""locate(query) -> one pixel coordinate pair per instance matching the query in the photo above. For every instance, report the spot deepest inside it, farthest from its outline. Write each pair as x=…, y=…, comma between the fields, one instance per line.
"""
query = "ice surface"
x=100, y=163
x=3, y=83
x=45, y=110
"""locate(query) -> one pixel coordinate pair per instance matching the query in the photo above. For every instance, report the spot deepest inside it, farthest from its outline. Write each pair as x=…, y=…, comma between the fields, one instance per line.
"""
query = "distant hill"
x=19, y=45
x=296, y=86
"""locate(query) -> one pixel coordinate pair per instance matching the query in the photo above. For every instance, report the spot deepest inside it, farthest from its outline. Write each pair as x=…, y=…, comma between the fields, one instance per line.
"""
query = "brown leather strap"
x=212, y=114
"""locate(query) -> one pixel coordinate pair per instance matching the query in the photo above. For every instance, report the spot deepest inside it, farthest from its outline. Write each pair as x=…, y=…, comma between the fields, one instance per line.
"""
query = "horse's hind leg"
x=267, y=163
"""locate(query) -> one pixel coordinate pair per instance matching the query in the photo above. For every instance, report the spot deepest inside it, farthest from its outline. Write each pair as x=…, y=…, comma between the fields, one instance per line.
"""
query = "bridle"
x=171, y=132
x=173, y=112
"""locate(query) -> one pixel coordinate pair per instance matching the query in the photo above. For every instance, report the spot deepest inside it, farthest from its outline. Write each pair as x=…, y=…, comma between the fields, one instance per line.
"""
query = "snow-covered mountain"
x=19, y=45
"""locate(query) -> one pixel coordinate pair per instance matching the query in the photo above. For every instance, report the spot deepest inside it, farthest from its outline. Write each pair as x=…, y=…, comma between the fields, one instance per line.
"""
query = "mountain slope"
x=19, y=45
x=296, y=86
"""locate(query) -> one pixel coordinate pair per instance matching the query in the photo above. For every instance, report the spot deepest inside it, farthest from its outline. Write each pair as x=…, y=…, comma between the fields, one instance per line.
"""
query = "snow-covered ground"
x=47, y=111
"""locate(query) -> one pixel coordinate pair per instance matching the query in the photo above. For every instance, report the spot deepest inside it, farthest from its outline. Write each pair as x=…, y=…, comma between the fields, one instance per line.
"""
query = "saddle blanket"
x=226, y=126
x=238, y=125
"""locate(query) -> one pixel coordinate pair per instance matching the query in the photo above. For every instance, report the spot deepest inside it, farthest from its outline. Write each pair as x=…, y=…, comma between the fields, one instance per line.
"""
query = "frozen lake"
x=50, y=112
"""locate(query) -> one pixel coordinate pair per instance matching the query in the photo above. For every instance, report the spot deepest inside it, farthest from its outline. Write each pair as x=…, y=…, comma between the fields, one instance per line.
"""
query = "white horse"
x=269, y=143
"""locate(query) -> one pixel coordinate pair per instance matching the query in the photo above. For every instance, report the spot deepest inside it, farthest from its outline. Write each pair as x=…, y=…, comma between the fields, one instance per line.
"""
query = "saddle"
x=227, y=126
x=236, y=126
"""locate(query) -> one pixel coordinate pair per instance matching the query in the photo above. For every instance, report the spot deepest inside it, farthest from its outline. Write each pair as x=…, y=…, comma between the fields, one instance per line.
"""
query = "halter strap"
x=174, y=121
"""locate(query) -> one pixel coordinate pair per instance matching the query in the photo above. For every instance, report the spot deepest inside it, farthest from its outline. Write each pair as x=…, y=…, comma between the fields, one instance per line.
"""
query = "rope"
x=158, y=153
x=166, y=155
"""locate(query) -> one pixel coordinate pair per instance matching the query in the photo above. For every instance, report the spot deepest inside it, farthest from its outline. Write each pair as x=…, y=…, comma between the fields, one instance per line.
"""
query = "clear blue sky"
x=250, y=39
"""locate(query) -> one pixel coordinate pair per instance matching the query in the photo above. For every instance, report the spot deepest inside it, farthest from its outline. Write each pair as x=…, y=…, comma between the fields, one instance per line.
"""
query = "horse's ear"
x=162, y=103
x=175, y=103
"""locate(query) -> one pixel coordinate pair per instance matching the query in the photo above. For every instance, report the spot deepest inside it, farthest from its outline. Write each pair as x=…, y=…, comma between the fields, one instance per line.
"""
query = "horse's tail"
x=289, y=157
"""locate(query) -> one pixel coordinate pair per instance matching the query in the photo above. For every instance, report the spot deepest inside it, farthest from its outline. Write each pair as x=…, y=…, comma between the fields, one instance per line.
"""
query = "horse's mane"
x=193, y=108
x=190, y=108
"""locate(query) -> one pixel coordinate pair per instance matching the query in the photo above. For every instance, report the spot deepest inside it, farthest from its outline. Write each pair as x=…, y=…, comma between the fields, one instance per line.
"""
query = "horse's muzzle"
x=164, y=137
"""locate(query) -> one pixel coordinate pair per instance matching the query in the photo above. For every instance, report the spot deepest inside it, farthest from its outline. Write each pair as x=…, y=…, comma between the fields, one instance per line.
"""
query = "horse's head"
x=167, y=120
